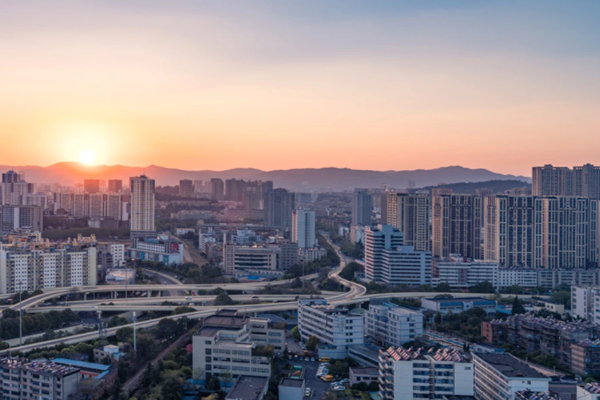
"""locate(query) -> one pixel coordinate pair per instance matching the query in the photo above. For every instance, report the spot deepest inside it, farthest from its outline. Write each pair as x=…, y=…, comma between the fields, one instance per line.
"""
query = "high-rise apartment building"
x=115, y=185
x=217, y=189
x=303, y=228
x=279, y=204
x=198, y=186
x=142, y=206
x=583, y=181
x=541, y=232
x=456, y=225
x=39, y=266
x=389, y=262
x=235, y=189
x=410, y=214
x=91, y=185
x=22, y=217
x=186, y=188
x=14, y=188
x=362, y=207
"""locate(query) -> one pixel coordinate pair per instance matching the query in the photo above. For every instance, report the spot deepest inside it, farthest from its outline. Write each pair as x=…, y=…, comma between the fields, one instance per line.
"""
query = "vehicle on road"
x=327, y=378
x=307, y=359
x=324, y=359
x=312, y=359
x=308, y=392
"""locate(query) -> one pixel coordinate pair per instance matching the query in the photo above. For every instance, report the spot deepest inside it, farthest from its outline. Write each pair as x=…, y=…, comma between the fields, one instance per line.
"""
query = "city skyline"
x=280, y=86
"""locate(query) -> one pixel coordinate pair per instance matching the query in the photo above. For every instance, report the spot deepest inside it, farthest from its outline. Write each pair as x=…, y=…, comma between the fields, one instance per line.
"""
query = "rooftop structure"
x=248, y=388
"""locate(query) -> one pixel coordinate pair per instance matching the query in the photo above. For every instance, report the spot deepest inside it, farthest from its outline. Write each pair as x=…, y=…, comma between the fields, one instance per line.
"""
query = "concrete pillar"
x=85, y=296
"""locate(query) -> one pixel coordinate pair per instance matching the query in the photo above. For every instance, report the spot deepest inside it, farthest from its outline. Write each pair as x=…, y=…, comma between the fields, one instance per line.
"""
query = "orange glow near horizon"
x=362, y=85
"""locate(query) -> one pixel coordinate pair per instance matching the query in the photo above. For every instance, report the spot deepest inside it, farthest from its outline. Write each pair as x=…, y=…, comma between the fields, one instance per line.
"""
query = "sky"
x=383, y=85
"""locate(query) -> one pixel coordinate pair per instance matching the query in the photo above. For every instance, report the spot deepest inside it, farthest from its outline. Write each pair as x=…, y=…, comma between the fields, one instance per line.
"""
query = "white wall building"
x=303, y=228
x=357, y=234
x=336, y=327
x=44, y=267
x=160, y=249
x=589, y=391
x=387, y=261
x=387, y=324
x=227, y=344
x=585, y=303
x=461, y=273
x=500, y=376
x=417, y=374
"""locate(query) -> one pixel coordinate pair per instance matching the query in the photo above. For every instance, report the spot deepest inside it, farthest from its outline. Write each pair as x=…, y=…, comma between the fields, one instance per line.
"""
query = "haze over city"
x=279, y=85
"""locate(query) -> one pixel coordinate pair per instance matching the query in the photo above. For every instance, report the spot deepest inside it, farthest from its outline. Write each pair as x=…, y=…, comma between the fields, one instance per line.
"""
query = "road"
x=166, y=279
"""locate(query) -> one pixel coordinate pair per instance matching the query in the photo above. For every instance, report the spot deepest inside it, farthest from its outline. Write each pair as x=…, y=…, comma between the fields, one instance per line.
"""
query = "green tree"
x=443, y=287
x=295, y=333
x=312, y=343
x=438, y=318
x=561, y=297
x=517, y=307
x=124, y=334
x=172, y=389
x=223, y=299
x=482, y=287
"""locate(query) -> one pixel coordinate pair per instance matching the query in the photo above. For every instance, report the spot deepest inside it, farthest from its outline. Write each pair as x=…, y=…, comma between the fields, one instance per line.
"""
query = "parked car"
x=312, y=359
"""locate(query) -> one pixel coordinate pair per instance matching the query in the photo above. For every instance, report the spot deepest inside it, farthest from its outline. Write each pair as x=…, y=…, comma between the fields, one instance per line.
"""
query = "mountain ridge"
x=298, y=179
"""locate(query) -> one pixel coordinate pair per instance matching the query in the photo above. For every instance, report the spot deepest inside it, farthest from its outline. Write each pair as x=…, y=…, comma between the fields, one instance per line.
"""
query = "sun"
x=86, y=157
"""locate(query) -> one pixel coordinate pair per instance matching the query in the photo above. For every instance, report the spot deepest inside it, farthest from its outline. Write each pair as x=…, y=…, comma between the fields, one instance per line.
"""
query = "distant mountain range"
x=303, y=179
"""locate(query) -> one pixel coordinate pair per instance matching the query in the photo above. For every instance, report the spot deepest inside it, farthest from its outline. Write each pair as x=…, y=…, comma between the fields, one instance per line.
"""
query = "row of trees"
x=34, y=323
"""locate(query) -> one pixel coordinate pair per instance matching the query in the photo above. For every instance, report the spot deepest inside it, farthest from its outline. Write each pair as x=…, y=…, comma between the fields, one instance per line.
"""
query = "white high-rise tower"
x=142, y=205
x=303, y=228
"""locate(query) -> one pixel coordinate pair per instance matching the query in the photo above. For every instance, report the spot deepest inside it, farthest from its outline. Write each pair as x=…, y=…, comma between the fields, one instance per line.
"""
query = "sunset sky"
x=386, y=85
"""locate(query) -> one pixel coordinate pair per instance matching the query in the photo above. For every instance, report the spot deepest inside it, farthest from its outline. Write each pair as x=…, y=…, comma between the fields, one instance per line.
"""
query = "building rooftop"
x=365, y=371
x=592, y=387
x=443, y=354
x=529, y=395
x=82, y=364
x=247, y=388
x=38, y=366
x=289, y=382
x=509, y=365
x=461, y=300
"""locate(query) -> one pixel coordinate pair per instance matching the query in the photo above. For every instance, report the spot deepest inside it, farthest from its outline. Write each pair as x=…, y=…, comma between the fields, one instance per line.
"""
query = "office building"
x=500, y=376
x=303, y=228
x=387, y=324
x=161, y=249
x=389, y=262
x=357, y=234
x=39, y=379
x=217, y=189
x=115, y=185
x=462, y=273
x=22, y=217
x=91, y=186
x=186, y=188
x=14, y=188
x=536, y=232
x=142, y=206
x=31, y=266
x=583, y=181
x=231, y=343
x=458, y=305
x=269, y=259
x=420, y=374
x=410, y=214
x=456, y=225
x=362, y=207
x=310, y=254
x=336, y=327
x=279, y=204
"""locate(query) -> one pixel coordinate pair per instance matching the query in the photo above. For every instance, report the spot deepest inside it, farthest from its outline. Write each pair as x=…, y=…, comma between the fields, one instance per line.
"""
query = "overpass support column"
x=85, y=296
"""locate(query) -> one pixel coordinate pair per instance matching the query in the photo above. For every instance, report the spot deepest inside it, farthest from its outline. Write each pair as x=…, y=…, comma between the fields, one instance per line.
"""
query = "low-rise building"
x=366, y=375
x=494, y=331
x=585, y=357
x=462, y=273
x=387, y=324
x=259, y=259
x=336, y=327
x=292, y=389
x=160, y=249
x=248, y=388
x=459, y=304
x=589, y=391
x=229, y=343
x=310, y=254
x=420, y=374
x=501, y=376
x=40, y=379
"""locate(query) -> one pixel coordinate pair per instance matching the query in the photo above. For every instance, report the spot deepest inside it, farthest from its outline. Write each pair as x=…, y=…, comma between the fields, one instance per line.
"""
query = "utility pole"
x=20, y=314
x=134, y=336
